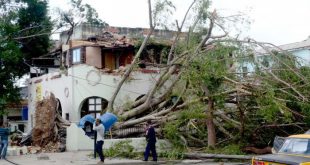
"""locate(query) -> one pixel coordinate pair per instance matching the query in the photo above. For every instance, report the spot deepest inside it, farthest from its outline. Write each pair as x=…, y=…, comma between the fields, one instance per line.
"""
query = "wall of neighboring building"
x=18, y=126
x=303, y=55
x=15, y=112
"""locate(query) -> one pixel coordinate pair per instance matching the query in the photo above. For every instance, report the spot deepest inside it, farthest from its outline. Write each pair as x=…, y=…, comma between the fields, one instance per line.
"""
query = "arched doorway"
x=93, y=105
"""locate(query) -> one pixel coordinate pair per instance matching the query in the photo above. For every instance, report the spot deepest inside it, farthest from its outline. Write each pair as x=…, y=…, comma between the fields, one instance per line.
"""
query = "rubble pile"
x=49, y=132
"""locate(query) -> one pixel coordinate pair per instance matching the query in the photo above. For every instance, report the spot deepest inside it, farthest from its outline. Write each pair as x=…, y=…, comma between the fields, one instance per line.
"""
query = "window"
x=295, y=146
x=76, y=55
x=95, y=106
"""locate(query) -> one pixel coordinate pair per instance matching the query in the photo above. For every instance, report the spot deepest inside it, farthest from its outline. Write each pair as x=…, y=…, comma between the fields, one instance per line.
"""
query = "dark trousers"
x=150, y=147
x=99, y=145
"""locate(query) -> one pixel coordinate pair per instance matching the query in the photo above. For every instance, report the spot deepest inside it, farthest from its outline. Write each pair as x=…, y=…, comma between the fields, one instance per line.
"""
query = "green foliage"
x=268, y=107
x=80, y=13
x=271, y=101
x=231, y=149
x=92, y=17
x=189, y=121
x=10, y=58
x=24, y=31
x=174, y=154
x=172, y=133
x=33, y=20
x=210, y=68
x=121, y=149
x=195, y=112
x=305, y=109
x=162, y=10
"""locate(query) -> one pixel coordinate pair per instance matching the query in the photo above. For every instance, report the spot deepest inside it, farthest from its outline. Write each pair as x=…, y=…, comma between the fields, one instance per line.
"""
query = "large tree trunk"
x=134, y=61
x=210, y=124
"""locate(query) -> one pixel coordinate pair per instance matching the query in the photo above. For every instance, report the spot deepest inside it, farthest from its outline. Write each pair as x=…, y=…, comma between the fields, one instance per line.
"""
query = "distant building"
x=17, y=113
x=301, y=50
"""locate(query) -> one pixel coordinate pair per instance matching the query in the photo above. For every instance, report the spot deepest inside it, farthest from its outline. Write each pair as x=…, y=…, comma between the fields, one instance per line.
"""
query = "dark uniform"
x=151, y=144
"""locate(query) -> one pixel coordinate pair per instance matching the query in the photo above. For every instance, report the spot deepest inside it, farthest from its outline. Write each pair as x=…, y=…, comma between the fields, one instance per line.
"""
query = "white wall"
x=59, y=86
x=77, y=140
x=83, y=81
x=88, y=82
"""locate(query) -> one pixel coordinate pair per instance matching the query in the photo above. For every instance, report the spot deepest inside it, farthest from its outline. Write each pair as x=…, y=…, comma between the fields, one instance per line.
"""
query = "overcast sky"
x=276, y=21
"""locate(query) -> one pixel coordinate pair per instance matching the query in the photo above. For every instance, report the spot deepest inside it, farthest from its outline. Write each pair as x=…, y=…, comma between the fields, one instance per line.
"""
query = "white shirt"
x=100, y=131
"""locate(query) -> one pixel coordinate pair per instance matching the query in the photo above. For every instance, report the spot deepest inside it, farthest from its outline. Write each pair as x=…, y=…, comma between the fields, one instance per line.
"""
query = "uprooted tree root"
x=49, y=132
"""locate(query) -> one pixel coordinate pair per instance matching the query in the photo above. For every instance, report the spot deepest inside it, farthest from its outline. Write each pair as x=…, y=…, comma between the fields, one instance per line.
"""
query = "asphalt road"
x=82, y=158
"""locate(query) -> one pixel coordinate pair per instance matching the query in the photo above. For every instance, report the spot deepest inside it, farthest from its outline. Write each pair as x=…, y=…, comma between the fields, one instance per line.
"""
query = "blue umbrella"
x=90, y=118
x=108, y=119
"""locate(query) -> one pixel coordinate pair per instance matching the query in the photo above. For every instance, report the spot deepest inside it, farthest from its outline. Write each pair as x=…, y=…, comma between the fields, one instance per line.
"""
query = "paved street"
x=82, y=158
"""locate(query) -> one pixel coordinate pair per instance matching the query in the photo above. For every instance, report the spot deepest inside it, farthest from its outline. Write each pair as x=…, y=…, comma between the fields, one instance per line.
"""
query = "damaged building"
x=83, y=72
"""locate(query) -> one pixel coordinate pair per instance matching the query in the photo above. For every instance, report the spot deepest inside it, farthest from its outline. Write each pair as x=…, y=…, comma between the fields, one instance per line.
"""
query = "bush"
x=172, y=155
x=231, y=149
x=121, y=149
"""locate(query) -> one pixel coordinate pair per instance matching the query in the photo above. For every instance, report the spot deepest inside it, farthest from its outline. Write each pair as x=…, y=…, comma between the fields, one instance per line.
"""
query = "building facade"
x=87, y=78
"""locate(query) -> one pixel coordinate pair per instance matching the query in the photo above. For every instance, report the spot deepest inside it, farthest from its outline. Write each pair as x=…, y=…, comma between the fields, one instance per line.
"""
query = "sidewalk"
x=82, y=158
x=64, y=158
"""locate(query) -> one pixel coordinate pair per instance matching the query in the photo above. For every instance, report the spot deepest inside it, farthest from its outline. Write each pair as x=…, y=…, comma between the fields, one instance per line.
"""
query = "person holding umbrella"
x=99, y=127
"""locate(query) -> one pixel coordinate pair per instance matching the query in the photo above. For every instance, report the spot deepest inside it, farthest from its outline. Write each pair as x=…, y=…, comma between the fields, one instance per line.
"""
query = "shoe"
x=144, y=160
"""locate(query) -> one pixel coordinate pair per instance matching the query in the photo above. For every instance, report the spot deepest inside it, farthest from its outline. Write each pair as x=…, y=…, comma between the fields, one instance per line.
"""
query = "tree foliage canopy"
x=25, y=28
x=32, y=20
x=10, y=58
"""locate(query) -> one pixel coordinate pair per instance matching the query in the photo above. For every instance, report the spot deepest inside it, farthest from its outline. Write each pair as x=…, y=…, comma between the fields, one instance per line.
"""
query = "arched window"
x=93, y=105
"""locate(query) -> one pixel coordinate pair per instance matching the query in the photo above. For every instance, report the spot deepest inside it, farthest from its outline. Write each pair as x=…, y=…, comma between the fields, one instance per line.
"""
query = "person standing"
x=99, y=127
x=151, y=142
x=4, y=141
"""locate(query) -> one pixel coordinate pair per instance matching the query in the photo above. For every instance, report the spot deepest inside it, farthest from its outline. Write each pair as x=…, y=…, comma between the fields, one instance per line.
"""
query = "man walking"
x=98, y=126
x=4, y=141
x=151, y=142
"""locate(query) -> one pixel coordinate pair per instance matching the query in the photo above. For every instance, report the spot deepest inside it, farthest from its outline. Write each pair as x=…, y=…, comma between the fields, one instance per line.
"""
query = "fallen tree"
x=203, y=91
